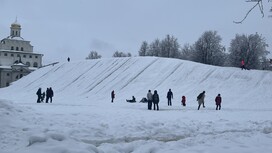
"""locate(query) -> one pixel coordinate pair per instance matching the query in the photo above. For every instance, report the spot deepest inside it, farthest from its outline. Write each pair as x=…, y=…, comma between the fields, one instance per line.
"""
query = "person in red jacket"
x=183, y=100
x=218, y=101
x=243, y=64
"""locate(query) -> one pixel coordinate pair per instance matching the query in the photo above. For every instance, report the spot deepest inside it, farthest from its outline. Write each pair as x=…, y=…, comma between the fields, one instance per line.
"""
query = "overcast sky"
x=62, y=28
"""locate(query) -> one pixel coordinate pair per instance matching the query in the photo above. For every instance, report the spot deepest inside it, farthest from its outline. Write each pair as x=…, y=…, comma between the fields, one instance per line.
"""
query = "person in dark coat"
x=47, y=95
x=133, y=100
x=200, y=99
x=218, y=101
x=149, y=100
x=51, y=94
x=183, y=101
x=112, y=96
x=68, y=59
x=156, y=100
x=169, y=97
x=39, y=94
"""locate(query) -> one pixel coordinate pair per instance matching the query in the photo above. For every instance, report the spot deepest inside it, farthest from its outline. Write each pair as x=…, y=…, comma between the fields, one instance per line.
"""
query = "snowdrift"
x=92, y=80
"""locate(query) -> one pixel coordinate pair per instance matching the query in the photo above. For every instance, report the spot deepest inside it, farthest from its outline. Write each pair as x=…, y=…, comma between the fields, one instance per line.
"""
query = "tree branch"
x=258, y=3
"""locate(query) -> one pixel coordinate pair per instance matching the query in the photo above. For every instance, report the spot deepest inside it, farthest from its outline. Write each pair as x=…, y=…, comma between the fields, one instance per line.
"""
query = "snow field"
x=82, y=118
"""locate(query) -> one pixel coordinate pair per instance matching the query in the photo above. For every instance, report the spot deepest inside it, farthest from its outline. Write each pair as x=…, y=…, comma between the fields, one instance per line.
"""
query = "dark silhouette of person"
x=68, y=59
x=200, y=99
x=169, y=97
x=112, y=96
x=218, y=101
x=156, y=100
x=49, y=95
x=39, y=94
x=132, y=100
x=183, y=100
x=149, y=99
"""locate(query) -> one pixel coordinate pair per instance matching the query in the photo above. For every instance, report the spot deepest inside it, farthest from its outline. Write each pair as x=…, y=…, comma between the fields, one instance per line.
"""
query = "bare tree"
x=259, y=3
x=121, y=54
x=93, y=55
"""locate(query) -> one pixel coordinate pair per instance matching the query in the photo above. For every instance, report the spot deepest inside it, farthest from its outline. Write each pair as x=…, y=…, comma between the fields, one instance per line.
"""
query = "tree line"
x=209, y=50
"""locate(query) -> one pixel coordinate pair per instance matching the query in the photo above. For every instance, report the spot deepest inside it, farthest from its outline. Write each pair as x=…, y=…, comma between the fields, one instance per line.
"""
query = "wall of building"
x=31, y=59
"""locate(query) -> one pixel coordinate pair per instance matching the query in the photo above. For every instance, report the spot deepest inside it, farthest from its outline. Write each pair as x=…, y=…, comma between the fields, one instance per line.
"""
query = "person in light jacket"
x=149, y=100
x=200, y=99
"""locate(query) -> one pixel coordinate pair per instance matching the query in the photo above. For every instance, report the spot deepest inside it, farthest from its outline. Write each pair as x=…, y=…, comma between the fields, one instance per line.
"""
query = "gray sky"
x=62, y=28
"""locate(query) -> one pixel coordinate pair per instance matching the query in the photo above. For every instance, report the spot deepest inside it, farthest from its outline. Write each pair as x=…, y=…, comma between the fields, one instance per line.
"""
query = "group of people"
x=200, y=99
x=154, y=99
x=41, y=95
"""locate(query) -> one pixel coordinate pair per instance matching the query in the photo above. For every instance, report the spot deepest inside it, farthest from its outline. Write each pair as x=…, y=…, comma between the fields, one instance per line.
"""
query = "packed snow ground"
x=82, y=119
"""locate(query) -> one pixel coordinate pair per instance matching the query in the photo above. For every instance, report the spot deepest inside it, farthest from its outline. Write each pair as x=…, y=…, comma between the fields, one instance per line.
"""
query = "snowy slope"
x=95, y=79
x=82, y=119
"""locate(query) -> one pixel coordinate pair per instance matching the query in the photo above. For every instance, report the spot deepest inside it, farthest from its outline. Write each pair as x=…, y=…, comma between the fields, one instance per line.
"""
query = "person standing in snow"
x=156, y=100
x=243, y=64
x=68, y=59
x=169, y=97
x=112, y=96
x=51, y=94
x=43, y=95
x=218, y=101
x=149, y=100
x=200, y=99
x=183, y=101
x=39, y=94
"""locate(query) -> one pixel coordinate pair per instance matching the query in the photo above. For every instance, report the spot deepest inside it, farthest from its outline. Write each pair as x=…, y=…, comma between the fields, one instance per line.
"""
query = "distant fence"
x=49, y=64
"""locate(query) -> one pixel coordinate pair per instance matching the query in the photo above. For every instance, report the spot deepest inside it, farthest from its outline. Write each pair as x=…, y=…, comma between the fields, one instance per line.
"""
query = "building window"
x=7, y=74
x=30, y=56
x=27, y=63
x=36, y=56
x=18, y=55
x=35, y=64
x=6, y=54
x=7, y=84
x=11, y=55
x=22, y=49
x=17, y=48
x=12, y=48
x=24, y=56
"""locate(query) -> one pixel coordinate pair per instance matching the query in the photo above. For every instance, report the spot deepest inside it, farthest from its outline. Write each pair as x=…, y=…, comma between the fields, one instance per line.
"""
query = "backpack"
x=199, y=96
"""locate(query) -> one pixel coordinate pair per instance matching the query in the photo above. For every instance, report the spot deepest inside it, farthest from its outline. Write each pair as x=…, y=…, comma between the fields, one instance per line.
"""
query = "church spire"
x=15, y=29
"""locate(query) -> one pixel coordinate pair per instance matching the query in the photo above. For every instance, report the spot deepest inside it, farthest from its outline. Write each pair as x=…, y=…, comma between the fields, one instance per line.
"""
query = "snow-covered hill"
x=82, y=119
x=95, y=79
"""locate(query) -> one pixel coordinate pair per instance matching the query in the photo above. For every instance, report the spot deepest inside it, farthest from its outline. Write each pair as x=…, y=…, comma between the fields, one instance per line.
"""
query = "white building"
x=16, y=57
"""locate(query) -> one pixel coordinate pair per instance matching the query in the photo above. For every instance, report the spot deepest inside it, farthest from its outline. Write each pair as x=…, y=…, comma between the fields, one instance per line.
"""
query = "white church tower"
x=17, y=58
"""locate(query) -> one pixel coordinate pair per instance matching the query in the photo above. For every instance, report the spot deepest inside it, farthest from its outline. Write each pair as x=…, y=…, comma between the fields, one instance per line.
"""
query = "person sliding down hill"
x=200, y=99
x=133, y=100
